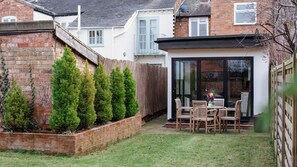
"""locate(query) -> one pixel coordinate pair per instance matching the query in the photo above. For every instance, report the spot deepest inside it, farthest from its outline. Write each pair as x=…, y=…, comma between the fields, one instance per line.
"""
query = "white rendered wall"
x=261, y=71
x=119, y=42
x=37, y=16
x=152, y=60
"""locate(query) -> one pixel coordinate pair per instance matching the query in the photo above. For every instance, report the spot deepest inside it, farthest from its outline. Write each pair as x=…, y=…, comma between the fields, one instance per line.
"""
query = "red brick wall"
x=74, y=144
x=181, y=27
x=40, y=50
x=14, y=8
x=222, y=19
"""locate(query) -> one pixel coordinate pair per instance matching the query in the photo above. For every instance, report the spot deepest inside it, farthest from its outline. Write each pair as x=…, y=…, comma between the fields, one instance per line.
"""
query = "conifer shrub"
x=17, y=112
x=118, y=94
x=130, y=89
x=86, y=111
x=66, y=80
x=103, y=95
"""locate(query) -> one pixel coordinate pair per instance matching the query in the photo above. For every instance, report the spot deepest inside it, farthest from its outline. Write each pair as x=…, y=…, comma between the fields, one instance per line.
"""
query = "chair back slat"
x=199, y=103
x=219, y=102
x=238, y=108
x=200, y=112
x=178, y=103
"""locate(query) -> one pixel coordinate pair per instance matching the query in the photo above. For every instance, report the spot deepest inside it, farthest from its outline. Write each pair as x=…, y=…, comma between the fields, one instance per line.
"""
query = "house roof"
x=209, y=42
x=102, y=13
x=192, y=8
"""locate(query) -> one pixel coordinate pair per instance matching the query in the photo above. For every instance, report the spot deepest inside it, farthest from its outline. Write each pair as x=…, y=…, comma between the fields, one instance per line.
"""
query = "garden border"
x=72, y=144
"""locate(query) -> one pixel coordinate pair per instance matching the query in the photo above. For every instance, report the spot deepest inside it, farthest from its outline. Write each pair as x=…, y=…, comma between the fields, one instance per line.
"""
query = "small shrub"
x=130, y=89
x=86, y=111
x=66, y=82
x=103, y=95
x=17, y=112
x=118, y=94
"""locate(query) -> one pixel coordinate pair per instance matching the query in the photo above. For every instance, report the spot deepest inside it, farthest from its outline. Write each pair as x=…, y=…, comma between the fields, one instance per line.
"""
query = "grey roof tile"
x=103, y=13
x=194, y=8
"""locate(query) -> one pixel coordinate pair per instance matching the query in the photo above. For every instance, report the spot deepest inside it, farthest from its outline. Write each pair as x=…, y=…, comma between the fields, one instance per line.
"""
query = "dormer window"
x=245, y=13
x=9, y=19
x=198, y=26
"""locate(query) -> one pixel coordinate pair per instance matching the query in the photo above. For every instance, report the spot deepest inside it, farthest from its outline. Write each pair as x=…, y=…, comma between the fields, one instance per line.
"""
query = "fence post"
x=283, y=116
x=294, y=123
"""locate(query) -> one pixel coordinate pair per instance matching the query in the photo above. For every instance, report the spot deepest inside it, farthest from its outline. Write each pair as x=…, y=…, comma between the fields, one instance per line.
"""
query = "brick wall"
x=181, y=27
x=222, y=19
x=40, y=50
x=14, y=8
x=73, y=144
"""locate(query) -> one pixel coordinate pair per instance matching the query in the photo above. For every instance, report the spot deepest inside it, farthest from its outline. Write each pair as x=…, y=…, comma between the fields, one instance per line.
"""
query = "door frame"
x=225, y=80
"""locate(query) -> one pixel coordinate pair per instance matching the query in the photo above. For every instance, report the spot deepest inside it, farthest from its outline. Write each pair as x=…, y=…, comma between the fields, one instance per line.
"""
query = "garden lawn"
x=184, y=149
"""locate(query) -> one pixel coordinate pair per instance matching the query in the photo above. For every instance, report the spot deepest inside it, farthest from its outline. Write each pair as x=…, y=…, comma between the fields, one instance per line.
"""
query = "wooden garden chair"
x=180, y=114
x=199, y=115
x=224, y=118
x=196, y=103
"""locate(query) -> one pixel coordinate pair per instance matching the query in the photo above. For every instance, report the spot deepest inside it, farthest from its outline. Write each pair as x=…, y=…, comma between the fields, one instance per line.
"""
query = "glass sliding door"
x=212, y=78
x=230, y=79
x=184, y=82
x=239, y=84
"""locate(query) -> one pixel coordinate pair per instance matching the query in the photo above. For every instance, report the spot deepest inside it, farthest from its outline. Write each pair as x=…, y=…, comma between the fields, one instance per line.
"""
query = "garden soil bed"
x=72, y=144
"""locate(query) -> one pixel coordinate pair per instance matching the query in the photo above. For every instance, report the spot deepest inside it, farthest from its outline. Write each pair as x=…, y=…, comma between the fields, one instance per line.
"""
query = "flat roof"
x=208, y=42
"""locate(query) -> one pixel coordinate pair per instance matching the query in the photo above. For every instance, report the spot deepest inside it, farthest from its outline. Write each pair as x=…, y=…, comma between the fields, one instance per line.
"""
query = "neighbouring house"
x=215, y=48
x=123, y=30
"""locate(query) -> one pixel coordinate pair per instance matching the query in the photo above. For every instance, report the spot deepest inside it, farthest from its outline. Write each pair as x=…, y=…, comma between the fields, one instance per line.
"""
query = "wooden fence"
x=151, y=84
x=285, y=116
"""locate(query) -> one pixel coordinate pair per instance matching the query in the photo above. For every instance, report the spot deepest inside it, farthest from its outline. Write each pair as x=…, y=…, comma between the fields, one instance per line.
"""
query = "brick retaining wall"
x=73, y=144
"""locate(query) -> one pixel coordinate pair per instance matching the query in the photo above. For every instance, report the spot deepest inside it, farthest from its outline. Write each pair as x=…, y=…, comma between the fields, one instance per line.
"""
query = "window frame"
x=10, y=18
x=244, y=11
x=198, y=19
x=95, y=32
x=148, y=49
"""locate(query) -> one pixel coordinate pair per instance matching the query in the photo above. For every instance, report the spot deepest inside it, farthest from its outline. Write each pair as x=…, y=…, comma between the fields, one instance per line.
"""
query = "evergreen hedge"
x=17, y=112
x=65, y=91
x=118, y=94
x=130, y=89
x=86, y=111
x=103, y=95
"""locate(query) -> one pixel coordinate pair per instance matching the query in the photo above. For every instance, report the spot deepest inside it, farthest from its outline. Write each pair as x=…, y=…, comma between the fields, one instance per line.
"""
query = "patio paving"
x=157, y=126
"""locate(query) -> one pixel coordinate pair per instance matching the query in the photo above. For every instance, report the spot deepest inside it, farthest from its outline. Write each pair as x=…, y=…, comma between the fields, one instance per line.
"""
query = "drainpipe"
x=112, y=43
x=78, y=20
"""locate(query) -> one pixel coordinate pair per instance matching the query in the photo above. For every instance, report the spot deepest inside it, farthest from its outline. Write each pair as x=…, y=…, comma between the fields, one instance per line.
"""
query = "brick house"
x=215, y=48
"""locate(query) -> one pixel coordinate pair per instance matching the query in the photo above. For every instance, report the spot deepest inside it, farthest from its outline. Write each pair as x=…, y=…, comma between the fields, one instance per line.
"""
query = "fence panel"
x=285, y=117
x=151, y=84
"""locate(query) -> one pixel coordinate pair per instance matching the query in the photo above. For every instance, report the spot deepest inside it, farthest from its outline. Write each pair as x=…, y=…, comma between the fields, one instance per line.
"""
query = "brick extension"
x=73, y=144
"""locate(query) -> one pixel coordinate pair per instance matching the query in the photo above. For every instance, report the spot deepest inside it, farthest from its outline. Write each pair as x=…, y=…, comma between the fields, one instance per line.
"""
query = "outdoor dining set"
x=208, y=115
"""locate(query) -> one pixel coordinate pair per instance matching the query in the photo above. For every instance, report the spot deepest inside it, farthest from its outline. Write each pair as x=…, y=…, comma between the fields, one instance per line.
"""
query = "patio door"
x=229, y=78
x=184, y=82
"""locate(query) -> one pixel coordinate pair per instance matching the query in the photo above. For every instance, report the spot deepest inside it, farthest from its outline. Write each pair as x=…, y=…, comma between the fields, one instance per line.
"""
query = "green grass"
x=230, y=150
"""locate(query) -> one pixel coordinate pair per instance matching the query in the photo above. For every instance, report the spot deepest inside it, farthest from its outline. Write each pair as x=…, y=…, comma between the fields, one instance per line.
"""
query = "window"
x=198, y=26
x=245, y=13
x=9, y=19
x=148, y=29
x=96, y=37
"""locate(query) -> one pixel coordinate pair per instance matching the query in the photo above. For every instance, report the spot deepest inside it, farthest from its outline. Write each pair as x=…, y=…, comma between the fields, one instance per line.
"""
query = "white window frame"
x=198, y=19
x=9, y=19
x=148, y=49
x=96, y=44
x=244, y=11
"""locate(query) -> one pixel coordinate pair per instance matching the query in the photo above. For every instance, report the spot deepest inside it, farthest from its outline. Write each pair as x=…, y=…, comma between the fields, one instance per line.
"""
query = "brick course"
x=40, y=50
x=72, y=144
x=221, y=21
x=14, y=8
